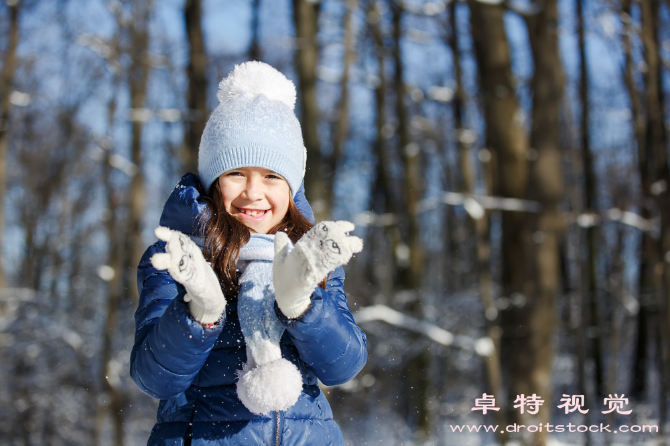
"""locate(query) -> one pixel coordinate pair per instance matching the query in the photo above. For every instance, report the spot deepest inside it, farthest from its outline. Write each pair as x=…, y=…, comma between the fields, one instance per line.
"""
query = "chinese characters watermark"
x=486, y=402
x=571, y=403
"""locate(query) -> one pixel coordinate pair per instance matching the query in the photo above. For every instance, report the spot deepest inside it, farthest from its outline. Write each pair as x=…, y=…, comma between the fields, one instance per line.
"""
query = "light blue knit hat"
x=253, y=126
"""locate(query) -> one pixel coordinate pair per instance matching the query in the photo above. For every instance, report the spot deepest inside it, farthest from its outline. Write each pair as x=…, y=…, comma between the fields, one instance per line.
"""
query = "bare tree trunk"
x=618, y=317
x=382, y=183
x=464, y=155
x=317, y=179
x=410, y=276
x=137, y=83
x=126, y=244
x=505, y=136
x=417, y=371
x=196, y=72
x=657, y=164
x=254, y=47
x=482, y=228
x=6, y=82
x=590, y=283
x=412, y=187
x=114, y=298
x=508, y=144
x=116, y=396
x=651, y=139
x=342, y=133
x=546, y=186
x=647, y=251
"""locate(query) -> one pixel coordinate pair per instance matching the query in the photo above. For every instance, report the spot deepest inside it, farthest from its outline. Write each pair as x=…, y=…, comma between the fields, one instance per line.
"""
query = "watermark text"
x=547, y=427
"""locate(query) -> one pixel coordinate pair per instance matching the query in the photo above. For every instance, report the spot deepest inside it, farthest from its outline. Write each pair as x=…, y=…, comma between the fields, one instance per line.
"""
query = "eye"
x=234, y=174
x=273, y=177
x=333, y=246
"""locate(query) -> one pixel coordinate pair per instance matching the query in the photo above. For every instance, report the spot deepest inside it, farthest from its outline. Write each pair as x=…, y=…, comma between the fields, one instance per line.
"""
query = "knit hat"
x=253, y=126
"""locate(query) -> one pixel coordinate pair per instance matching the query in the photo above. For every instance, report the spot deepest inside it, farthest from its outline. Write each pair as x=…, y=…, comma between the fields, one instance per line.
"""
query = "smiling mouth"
x=255, y=213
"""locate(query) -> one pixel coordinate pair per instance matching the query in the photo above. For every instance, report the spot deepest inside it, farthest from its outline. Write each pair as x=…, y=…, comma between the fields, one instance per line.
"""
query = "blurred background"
x=506, y=163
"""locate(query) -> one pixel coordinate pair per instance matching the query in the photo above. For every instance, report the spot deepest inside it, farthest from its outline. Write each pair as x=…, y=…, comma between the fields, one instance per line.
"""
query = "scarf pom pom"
x=269, y=387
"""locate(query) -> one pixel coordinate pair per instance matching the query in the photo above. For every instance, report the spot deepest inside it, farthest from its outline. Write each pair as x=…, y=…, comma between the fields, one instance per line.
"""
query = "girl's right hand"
x=186, y=264
x=298, y=270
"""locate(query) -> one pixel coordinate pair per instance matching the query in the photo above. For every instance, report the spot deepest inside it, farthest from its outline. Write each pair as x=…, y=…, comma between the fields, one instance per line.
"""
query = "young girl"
x=242, y=307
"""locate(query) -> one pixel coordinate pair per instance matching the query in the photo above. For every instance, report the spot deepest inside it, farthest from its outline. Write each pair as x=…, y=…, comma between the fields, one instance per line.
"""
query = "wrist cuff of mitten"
x=206, y=315
x=295, y=308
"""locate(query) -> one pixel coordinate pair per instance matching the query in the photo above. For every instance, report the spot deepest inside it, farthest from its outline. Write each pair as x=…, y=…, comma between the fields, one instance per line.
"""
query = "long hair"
x=224, y=236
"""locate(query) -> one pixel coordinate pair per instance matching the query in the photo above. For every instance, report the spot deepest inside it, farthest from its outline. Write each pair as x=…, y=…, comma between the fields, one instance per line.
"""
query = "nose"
x=254, y=187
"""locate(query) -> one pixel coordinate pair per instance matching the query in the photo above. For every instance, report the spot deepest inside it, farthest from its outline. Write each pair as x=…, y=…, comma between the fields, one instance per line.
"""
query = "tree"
x=6, y=83
x=317, y=176
x=481, y=223
x=545, y=186
x=508, y=144
x=590, y=306
x=196, y=71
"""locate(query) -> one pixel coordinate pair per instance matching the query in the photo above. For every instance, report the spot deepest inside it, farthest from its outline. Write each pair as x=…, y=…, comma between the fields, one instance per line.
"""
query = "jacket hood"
x=183, y=209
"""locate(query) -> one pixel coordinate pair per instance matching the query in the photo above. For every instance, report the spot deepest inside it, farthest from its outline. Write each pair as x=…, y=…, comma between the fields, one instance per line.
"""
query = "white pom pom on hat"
x=257, y=78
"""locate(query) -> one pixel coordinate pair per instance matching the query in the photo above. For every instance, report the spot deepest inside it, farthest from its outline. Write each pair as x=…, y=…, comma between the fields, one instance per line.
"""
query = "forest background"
x=506, y=163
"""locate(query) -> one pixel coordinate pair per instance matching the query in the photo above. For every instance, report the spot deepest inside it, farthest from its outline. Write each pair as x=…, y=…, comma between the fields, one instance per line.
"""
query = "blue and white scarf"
x=267, y=382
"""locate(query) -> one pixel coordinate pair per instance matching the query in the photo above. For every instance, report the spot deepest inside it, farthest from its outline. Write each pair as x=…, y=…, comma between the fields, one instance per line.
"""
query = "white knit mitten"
x=298, y=270
x=185, y=263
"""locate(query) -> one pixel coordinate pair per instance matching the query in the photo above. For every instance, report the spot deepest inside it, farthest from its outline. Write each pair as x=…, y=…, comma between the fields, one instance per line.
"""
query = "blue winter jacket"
x=192, y=369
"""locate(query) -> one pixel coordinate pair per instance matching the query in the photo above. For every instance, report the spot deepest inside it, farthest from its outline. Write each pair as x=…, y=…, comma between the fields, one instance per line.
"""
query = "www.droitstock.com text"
x=554, y=428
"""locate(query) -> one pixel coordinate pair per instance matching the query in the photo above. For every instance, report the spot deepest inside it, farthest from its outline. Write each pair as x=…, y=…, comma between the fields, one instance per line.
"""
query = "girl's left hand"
x=297, y=271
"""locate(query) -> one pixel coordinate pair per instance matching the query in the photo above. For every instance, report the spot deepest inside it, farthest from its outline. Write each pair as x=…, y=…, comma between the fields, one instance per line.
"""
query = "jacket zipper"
x=278, y=428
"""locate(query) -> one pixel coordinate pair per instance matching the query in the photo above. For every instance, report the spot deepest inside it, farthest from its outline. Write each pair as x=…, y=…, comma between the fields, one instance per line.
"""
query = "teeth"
x=252, y=213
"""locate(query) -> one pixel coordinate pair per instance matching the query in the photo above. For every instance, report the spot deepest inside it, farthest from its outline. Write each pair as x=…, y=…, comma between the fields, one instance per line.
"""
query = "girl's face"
x=257, y=197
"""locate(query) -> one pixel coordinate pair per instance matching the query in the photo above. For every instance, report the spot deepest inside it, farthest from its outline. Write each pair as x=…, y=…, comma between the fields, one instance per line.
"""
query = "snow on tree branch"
x=482, y=346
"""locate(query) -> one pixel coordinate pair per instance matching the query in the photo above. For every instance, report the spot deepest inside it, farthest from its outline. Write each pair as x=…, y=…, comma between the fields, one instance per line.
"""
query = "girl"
x=235, y=323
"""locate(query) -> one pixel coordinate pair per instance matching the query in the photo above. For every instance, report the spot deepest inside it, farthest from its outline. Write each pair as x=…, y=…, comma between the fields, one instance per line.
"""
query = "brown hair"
x=224, y=236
